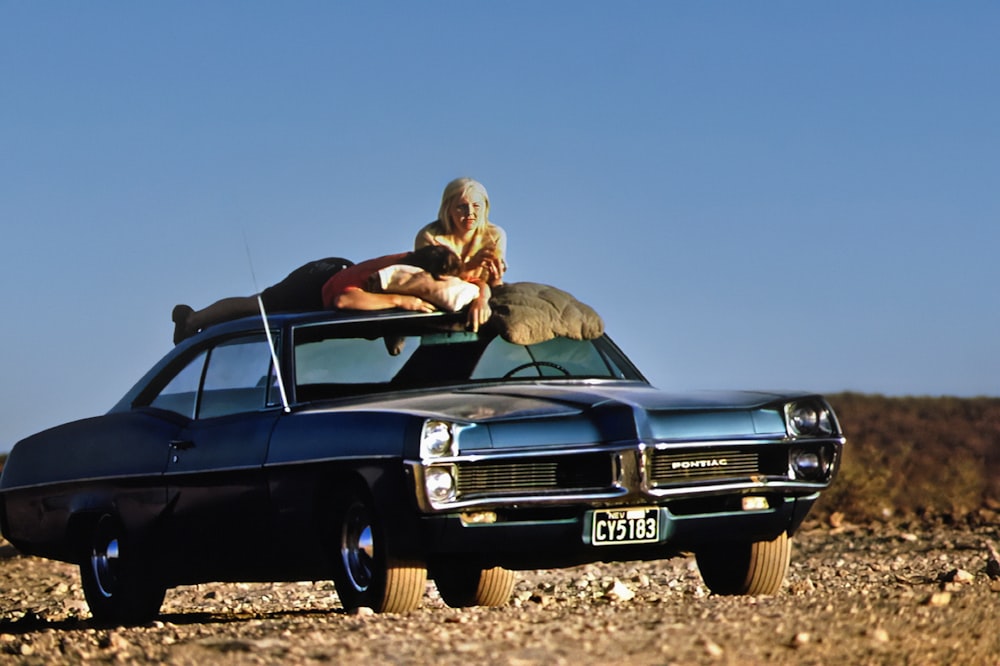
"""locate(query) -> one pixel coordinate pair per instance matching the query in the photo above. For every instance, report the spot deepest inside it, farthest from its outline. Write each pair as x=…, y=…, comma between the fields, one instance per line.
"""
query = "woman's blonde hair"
x=455, y=189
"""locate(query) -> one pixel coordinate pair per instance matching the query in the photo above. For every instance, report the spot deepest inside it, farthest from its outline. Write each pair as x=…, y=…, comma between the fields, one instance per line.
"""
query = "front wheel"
x=757, y=567
x=365, y=573
x=117, y=584
x=462, y=585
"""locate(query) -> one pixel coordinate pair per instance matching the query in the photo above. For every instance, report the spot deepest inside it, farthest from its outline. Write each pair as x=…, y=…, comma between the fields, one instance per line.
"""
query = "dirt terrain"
x=882, y=594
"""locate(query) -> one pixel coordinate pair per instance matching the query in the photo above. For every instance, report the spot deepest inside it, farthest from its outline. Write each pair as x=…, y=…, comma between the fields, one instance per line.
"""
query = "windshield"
x=334, y=361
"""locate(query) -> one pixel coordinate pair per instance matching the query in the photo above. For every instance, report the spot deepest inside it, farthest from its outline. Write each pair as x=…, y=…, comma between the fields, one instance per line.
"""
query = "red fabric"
x=355, y=277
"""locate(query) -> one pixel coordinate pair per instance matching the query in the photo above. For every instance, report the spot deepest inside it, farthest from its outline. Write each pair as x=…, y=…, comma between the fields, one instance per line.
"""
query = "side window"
x=238, y=378
x=181, y=394
x=233, y=377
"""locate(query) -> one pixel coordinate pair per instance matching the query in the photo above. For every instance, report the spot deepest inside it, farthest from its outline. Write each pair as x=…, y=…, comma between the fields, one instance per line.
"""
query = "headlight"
x=811, y=464
x=808, y=418
x=437, y=440
x=439, y=481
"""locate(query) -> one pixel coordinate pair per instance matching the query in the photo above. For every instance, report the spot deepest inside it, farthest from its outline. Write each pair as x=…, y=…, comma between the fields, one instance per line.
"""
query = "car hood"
x=600, y=411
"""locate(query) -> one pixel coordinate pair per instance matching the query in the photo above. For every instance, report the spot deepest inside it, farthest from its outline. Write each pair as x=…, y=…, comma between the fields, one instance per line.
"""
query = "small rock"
x=804, y=586
x=880, y=635
x=939, y=599
x=958, y=576
x=620, y=592
x=362, y=611
x=117, y=642
x=540, y=599
x=992, y=561
x=712, y=648
x=800, y=639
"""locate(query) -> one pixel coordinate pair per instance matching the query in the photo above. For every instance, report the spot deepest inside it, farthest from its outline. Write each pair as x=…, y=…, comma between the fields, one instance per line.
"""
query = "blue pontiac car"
x=383, y=449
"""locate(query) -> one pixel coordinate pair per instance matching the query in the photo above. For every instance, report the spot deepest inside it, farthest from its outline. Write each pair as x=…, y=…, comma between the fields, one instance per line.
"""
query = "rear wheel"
x=117, y=584
x=365, y=572
x=461, y=585
x=749, y=568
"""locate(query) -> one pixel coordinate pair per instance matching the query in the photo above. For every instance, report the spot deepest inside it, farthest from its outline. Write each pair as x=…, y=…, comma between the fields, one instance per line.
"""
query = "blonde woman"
x=463, y=225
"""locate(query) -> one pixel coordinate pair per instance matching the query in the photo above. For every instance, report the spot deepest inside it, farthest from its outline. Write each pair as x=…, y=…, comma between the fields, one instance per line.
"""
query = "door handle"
x=181, y=444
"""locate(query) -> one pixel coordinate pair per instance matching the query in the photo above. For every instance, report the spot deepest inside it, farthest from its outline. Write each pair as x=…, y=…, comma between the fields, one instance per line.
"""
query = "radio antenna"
x=267, y=330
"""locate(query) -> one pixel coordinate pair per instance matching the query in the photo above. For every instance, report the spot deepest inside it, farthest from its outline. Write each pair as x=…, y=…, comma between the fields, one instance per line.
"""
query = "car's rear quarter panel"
x=80, y=468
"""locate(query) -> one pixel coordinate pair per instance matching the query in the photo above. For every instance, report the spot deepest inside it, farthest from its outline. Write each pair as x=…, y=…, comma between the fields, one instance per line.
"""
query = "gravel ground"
x=854, y=595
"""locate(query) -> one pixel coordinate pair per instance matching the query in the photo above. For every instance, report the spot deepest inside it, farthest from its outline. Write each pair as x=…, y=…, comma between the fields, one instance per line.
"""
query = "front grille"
x=566, y=473
x=667, y=467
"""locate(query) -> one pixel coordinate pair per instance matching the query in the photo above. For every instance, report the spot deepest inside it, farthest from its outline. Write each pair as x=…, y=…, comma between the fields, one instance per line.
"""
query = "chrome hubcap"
x=104, y=559
x=357, y=547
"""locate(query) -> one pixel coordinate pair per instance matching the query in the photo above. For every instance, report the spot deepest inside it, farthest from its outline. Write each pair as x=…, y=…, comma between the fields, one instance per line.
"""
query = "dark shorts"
x=302, y=290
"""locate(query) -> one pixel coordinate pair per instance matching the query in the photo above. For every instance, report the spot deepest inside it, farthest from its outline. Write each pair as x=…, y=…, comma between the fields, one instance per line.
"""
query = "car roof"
x=278, y=322
x=281, y=320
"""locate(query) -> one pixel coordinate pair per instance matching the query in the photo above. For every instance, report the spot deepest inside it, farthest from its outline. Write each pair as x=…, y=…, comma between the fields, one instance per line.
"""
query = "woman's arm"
x=489, y=262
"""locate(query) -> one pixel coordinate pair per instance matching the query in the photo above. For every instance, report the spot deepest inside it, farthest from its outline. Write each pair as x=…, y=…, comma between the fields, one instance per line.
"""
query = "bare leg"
x=187, y=322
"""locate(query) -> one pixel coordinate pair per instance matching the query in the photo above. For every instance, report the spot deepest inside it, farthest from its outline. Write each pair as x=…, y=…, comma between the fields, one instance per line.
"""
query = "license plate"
x=624, y=526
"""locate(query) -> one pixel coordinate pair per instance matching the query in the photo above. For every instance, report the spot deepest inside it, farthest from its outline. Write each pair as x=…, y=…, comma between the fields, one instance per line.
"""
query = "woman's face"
x=468, y=211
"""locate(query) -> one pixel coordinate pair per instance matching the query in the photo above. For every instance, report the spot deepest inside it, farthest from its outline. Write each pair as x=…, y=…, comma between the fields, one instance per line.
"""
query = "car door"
x=214, y=475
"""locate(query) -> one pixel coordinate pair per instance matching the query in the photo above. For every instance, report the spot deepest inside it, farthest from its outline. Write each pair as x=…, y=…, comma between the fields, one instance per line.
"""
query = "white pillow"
x=448, y=293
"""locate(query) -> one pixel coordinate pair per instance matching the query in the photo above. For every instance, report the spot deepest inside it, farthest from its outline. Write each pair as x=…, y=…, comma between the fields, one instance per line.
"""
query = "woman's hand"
x=486, y=261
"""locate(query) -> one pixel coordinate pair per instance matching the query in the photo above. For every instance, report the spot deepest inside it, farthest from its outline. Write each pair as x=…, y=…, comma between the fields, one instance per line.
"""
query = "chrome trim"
x=630, y=476
x=551, y=498
x=741, y=486
x=663, y=445
x=481, y=455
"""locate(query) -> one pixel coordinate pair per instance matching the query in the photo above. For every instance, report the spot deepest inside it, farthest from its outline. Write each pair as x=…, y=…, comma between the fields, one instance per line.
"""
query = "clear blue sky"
x=752, y=194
